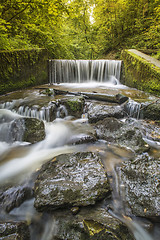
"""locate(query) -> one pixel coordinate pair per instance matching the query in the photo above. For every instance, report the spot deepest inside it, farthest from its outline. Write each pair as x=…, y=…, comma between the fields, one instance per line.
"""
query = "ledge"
x=141, y=71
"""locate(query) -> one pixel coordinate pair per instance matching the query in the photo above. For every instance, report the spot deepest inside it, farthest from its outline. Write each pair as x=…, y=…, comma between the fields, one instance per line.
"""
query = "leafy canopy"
x=79, y=29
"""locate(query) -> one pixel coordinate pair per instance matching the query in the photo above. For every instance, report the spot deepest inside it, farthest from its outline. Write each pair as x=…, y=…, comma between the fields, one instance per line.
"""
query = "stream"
x=74, y=167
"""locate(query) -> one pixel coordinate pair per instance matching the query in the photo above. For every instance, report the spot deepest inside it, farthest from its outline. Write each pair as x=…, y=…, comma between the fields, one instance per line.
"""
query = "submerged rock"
x=141, y=178
x=27, y=129
x=71, y=180
x=90, y=223
x=13, y=195
x=14, y=230
x=99, y=111
x=115, y=131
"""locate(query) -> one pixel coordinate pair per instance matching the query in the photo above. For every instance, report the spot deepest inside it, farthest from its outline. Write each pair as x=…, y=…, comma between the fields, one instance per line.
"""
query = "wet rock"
x=151, y=111
x=115, y=131
x=27, y=129
x=14, y=231
x=90, y=223
x=85, y=134
x=121, y=98
x=14, y=196
x=75, y=210
x=141, y=178
x=143, y=110
x=74, y=105
x=72, y=180
x=99, y=111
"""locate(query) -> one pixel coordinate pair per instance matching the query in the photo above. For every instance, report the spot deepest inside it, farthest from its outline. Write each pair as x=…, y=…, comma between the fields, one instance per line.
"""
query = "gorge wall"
x=22, y=68
x=140, y=71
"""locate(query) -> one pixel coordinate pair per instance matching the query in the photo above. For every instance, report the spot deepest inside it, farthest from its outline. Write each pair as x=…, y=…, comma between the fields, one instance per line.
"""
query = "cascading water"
x=78, y=71
x=133, y=108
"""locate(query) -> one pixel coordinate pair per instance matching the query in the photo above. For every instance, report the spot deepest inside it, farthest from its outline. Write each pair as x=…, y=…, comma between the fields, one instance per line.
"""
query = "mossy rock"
x=74, y=105
x=125, y=135
x=151, y=111
x=141, y=180
x=71, y=180
x=28, y=130
x=93, y=222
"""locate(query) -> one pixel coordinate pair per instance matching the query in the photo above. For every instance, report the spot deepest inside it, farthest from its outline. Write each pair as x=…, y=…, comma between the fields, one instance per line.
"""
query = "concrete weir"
x=141, y=71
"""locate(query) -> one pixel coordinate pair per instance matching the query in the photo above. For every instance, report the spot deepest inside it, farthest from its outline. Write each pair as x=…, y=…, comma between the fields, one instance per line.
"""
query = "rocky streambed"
x=77, y=168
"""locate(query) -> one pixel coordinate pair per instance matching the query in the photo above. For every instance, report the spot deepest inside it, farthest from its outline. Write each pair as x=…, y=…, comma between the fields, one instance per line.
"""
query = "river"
x=66, y=133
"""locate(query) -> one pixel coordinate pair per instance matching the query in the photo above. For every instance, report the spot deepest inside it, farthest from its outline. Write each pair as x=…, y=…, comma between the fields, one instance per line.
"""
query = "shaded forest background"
x=80, y=29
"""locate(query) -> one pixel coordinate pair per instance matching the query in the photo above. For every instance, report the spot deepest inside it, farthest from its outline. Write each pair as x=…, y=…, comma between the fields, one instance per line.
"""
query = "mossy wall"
x=139, y=73
x=22, y=68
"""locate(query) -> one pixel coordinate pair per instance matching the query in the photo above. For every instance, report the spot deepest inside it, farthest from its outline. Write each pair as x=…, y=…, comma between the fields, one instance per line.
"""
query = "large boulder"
x=115, y=131
x=151, y=111
x=141, y=180
x=99, y=111
x=71, y=180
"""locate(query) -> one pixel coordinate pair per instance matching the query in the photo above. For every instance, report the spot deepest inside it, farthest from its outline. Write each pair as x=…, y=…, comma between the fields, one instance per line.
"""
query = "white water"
x=57, y=136
x=78, y=71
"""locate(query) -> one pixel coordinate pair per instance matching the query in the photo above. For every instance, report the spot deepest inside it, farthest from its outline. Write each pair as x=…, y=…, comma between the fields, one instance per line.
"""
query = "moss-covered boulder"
x=16, y=128
x=141, y=178
x=127, y=135
x=151, y=111
x=28, y=130
x=71, y=180
x=74, y=105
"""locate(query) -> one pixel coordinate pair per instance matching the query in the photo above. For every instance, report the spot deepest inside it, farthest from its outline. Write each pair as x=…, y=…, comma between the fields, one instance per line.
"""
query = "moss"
x=69, y=195
x=92, y=227
x=96, y=230
x=75, y=104
x=22, y=68
x=34, y=130
x=140, y=73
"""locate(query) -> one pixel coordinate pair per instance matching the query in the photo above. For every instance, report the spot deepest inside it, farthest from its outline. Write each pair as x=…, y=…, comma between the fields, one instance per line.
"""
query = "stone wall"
x=140, y=73
x=22, y=68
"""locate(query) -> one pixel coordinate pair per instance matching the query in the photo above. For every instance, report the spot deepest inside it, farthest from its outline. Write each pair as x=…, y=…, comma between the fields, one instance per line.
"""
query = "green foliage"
x=65, y=29
x=127, y=24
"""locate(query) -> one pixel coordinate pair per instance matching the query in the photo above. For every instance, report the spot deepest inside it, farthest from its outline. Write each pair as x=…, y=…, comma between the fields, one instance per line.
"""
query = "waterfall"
x=45, y=113
x=78, y=71
x=133, y=109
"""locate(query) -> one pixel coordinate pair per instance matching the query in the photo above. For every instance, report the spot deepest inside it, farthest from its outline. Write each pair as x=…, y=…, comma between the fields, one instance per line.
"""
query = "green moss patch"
x=22, y=68
x=140, y=73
